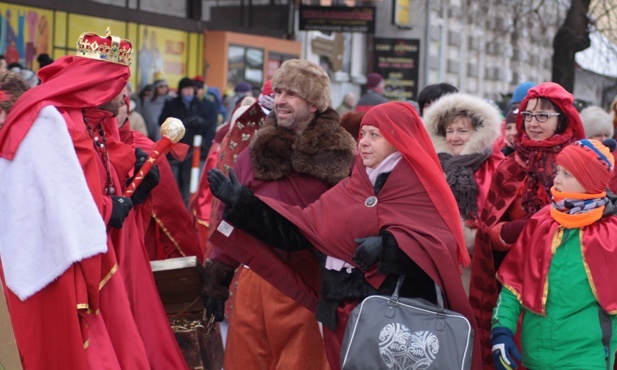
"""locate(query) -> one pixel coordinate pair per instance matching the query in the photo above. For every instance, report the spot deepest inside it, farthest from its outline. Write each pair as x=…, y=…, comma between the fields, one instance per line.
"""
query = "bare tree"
x=572, y=37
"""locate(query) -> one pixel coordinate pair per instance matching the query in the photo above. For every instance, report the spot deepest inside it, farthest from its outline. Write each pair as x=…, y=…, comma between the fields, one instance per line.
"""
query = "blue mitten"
x=505, y=353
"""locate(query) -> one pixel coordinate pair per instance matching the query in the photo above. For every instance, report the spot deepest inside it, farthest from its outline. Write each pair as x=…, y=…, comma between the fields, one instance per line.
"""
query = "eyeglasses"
x=540, y=117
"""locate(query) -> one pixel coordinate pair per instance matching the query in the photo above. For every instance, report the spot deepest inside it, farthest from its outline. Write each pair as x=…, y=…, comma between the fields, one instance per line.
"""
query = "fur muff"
x=306, y=79
x=324, y=150
x=488, y=116
x=216, y=280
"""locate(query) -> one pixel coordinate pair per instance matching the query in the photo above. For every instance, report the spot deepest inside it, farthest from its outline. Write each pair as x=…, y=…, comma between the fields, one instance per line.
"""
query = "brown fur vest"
x=324, y=150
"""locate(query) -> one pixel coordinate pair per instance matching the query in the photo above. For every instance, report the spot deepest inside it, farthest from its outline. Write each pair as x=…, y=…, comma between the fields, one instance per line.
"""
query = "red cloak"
x=525, y=270
x=93, y=318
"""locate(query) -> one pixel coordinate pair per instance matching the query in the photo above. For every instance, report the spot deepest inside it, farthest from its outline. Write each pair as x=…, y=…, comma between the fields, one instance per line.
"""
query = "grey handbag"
x=393, y=333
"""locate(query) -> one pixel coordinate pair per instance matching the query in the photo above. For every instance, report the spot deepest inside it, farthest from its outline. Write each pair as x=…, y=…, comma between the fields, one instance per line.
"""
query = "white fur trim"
x=49, y=219
x=485, y=135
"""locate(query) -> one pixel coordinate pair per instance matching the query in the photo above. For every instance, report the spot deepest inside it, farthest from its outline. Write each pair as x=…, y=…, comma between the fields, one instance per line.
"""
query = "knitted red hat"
x=590, y=162
x=373, y=80
x=267, y=88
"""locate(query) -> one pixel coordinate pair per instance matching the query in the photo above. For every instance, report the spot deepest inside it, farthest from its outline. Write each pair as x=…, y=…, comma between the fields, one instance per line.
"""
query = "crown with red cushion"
x=109, y=48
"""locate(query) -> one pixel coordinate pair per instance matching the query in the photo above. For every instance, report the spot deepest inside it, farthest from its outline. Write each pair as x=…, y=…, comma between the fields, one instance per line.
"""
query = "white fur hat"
x=597, y=122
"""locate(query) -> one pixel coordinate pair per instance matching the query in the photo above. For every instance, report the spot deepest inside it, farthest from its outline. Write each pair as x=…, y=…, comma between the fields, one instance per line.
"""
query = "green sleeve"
x=507, y=311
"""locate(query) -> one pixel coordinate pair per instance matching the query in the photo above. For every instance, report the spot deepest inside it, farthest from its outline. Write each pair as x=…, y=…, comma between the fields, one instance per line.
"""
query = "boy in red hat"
x=557, y=274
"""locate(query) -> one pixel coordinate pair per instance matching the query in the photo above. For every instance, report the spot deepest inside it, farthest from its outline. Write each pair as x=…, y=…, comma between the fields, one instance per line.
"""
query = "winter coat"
x=199, y=118
x=369, y=100
x=486, y=134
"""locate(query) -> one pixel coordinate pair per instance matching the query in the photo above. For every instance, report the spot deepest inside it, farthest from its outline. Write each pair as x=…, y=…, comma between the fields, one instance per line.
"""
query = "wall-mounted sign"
x=401, y=13
x=337, y=19
x=397, y=61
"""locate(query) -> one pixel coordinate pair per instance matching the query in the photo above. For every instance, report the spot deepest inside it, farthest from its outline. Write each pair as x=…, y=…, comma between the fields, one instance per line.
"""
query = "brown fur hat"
x=306, y=79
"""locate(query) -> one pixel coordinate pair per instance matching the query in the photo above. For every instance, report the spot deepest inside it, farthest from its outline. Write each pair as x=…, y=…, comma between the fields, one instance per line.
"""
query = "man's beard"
x=111, y=107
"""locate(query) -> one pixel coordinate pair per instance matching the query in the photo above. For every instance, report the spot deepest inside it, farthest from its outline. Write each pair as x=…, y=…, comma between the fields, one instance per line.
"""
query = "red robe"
x=84, y=318
x=525, y=269
x=294, y=273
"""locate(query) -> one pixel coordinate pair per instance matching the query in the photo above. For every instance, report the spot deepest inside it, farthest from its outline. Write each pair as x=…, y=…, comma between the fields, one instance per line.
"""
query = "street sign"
x=337, y=19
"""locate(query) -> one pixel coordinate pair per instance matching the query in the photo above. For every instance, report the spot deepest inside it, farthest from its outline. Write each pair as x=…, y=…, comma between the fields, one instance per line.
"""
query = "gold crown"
x=109, y=48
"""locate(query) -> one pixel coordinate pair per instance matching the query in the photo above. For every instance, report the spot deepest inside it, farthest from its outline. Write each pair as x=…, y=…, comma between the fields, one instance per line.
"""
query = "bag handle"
x=399, y=283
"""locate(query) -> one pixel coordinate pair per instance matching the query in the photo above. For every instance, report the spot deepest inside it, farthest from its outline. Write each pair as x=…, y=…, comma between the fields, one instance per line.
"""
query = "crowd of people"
x=301, y=212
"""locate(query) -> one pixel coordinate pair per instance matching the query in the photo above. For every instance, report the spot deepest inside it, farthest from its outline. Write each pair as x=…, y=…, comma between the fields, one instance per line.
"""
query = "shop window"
x=245, y=64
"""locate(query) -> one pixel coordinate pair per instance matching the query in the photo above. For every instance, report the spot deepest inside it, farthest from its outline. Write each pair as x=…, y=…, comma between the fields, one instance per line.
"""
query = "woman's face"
x=539, y=131
x=458, y=133
x=510, y=133
x=373, y=147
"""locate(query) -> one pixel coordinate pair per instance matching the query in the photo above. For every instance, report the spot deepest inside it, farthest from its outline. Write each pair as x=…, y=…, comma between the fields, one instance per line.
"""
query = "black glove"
x=148, y=183
x=215, y=288
x=368, y=252
x=121, y=206
x=214, y=307
x=228, y=190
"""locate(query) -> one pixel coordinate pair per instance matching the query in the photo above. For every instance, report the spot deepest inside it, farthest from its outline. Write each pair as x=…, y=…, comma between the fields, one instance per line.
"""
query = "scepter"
x=172, y=131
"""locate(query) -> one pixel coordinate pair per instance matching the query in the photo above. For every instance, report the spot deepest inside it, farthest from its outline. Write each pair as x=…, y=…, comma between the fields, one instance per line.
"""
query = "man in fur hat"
x=299, y=153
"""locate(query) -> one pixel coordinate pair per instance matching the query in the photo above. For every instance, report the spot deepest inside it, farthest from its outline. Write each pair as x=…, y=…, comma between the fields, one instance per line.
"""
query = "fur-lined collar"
x=486, y=133
x=324, y=150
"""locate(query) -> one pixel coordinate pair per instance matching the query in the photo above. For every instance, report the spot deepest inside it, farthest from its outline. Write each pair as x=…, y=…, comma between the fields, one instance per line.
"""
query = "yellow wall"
x=172, y=54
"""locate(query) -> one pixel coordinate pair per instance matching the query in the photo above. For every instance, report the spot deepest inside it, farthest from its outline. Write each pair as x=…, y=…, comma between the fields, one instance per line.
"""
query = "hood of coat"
x=324, y=150
x=488, y=116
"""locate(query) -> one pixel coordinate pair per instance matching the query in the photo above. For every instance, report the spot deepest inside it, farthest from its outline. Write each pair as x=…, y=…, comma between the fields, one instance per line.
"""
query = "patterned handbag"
x=406, y=334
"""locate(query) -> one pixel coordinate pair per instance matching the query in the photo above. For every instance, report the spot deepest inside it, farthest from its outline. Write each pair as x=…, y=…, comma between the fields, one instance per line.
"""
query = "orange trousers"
x=270, y=331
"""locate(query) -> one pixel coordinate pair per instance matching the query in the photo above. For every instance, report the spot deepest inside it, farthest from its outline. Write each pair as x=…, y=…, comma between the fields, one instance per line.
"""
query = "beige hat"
x=306, y=79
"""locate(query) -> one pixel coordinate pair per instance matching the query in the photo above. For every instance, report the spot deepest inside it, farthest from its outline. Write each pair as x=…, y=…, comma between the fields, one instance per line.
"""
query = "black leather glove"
x=121, y=206
x=215, y=288
x=368, y=252
x=214, y=307
x=148, y=183
x=228, y=190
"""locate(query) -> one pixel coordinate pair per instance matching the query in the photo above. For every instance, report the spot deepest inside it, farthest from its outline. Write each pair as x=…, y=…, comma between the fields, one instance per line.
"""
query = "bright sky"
x=600, y=57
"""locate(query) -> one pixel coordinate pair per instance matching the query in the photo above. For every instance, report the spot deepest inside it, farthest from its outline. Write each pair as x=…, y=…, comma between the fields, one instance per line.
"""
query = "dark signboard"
x=337, y=19
x=397, y=61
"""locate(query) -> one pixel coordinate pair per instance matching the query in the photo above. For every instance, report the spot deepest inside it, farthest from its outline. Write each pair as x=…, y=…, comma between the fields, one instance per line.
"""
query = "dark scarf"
x=537, y=159
x=459, y=171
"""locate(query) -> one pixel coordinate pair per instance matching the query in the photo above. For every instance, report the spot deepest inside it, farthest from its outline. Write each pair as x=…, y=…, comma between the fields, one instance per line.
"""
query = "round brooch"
x=370, y=201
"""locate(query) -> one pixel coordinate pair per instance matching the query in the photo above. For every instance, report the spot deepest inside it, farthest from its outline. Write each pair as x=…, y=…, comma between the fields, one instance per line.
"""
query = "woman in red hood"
x=394, y=215
x=547, y=122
